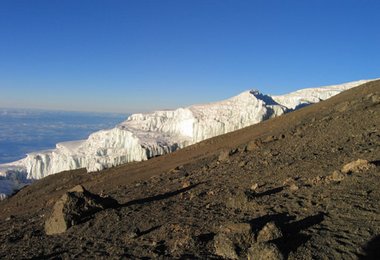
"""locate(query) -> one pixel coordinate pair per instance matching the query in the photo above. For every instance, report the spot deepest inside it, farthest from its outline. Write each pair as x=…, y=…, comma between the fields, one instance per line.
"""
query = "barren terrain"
x=277, y=188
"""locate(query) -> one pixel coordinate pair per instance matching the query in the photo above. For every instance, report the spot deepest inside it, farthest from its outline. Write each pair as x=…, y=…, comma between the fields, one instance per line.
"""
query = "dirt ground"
x=275, y=188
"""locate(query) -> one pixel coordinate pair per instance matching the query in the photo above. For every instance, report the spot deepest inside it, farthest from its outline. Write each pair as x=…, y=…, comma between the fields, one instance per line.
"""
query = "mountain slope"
x=143, y=136
x=181, y=204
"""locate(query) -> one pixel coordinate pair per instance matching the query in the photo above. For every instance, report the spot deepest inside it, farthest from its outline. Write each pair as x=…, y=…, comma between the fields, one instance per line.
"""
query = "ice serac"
x=143, y=136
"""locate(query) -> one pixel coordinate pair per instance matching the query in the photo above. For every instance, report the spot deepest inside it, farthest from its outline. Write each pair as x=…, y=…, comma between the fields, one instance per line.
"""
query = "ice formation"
x=143, y=136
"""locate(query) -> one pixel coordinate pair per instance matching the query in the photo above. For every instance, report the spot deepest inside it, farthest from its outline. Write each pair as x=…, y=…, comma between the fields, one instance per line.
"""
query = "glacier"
x=143, y=136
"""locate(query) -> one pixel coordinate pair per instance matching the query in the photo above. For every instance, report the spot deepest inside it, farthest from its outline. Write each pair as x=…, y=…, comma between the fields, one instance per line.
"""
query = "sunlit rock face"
x=143, y=136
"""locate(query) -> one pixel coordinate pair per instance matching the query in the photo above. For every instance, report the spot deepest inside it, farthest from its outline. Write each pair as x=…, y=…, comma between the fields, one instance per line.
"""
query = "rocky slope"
x=144, y=136
x=300, y=186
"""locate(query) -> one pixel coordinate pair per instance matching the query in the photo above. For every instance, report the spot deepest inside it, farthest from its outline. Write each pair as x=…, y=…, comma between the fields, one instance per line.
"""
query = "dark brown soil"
x=174, y=206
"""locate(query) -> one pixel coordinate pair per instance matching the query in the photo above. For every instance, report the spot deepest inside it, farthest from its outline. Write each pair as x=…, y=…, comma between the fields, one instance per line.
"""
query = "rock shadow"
x=292, y=237
x=157, y=197
x=252, y=194
x=55, y=255
x=144, y=232
x=376, y=162
x=305, y=223
x=280, y=219
x=79, y=206
x=372, y=249
x=205, y=238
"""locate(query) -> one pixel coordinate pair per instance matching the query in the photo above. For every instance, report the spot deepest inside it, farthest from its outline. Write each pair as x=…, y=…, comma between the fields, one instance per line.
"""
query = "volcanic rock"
x=269, y=232
x=357, y=166
x=224, y=247
x=264, y=251
x=337, y=176
x=73, y=207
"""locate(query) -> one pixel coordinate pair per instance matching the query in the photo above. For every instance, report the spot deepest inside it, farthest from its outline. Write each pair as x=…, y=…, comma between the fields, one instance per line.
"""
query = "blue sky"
x=130, y=56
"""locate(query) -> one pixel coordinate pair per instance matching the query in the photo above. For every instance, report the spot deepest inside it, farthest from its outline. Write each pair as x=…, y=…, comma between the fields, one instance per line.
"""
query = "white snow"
x=314, y=95
x=143, y=136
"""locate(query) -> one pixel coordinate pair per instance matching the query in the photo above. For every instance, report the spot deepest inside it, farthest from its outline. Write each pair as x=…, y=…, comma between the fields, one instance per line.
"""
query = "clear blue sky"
x=128, y=56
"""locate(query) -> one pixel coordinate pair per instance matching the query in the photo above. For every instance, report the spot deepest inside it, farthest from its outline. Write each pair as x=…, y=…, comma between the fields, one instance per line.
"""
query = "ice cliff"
x=143, y=136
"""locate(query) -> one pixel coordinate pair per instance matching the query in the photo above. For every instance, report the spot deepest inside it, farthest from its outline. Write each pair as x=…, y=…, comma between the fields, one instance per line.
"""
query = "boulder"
x=224, y=247
x=73, y=207
x=269, y=232
x=232, y=239
x=264, y=251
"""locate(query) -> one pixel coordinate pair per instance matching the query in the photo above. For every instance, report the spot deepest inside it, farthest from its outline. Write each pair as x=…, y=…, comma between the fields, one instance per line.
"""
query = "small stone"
x=287, y=181
x=293, y=187
x=233, y=151
x=254, y=186
x=264, y=251
x=269, y=232
x=224, y=247
x=134, y=233
x=192, y=195
x=252, y=145
x=186, y=184
x=242, y=164
x=78, y=188
x=180, y=167
x=326, y=118
x=224, y=155
x=375, y=99
x=267, y=152
x=210, y=193
x=242, y=148
x=270, y=138
x=298, y=132
x=10, y=218
x=337, y=176
x=357, y=166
